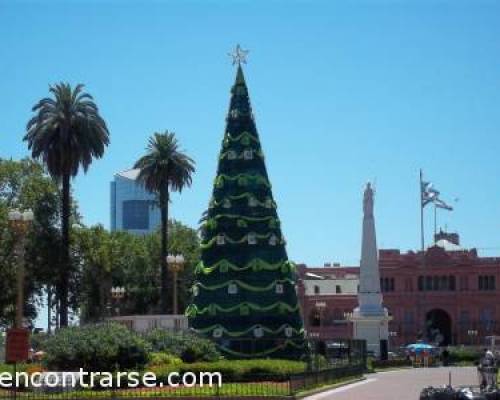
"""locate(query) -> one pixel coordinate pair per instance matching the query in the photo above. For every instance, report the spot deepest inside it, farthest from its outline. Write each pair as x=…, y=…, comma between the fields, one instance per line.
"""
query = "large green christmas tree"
x=244, y=295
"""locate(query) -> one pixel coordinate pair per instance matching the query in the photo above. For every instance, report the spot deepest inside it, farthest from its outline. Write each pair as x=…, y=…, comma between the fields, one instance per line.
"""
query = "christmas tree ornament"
x=258, y=332
x=221, y=240
x=252, y=238
x=248, y=154
x=279, y=288
x=252, y=202
x=232, y=288
x=217, y=333
x=273, y=240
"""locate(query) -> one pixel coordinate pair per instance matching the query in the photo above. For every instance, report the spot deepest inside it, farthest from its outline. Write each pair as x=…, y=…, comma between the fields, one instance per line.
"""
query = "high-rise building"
x=133, y=208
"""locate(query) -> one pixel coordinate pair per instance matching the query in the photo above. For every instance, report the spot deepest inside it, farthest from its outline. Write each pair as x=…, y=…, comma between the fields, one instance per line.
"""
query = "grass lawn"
x=227, y=390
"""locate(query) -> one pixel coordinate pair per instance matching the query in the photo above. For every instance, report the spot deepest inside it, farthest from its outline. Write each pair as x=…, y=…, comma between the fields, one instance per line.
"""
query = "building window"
x=316, y=289
x=387, y=284
x=435, y=283
x=421, y=287
x=486, y=319
x=443, y=283
x=428, y=283
x=338, y=289
x=136, y=214
x=464, y=283
x=486, y=282
x=451, y=282
x=408, y=318
x=337, y=315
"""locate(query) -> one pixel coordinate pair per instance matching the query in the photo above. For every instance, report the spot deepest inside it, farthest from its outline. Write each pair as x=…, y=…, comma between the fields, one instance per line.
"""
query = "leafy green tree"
x=110, y=259
x=66, y=133
x=24, y=184
x=164, y=168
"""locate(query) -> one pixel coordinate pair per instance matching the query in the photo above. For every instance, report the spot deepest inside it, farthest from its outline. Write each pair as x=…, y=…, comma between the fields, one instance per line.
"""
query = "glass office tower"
x=133, y=208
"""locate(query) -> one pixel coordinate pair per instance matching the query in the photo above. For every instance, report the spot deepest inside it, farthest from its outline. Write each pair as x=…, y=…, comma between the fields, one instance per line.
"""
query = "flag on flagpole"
x=429, y=193
x=441, y=204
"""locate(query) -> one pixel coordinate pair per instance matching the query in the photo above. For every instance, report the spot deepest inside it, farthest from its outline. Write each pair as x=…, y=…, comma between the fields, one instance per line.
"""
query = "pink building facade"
x=449, y=296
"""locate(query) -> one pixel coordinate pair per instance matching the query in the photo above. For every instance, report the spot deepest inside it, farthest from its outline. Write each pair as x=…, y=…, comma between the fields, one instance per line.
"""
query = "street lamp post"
x=19, y=223
x=175, y=265
x=118, y=293
x=321, y=306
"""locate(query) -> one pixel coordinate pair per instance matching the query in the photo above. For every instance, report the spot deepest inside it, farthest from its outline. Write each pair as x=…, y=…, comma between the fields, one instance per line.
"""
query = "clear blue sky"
x=343, y=92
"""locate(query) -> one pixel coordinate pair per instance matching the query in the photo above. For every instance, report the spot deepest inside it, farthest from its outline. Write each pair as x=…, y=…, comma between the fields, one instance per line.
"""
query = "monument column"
x=370, y=319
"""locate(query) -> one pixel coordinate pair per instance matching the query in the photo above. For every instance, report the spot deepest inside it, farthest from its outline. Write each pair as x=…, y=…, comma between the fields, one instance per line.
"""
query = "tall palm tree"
x=164, y=168
x=66, y=133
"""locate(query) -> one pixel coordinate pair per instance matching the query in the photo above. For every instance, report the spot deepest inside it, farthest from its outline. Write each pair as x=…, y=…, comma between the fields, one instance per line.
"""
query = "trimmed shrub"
x=188, y=347
x=463, y=355
x=238, y=370
x=105, y=347
x=161, y=359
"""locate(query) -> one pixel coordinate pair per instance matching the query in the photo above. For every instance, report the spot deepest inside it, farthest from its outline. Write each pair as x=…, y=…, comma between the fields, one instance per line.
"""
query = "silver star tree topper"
x=239, y=55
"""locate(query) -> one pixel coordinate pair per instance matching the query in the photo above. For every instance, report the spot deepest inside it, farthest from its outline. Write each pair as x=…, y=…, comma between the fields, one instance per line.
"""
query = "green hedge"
x=106, y=347
x=187, y=346
x=463, y=355
x=237, y=370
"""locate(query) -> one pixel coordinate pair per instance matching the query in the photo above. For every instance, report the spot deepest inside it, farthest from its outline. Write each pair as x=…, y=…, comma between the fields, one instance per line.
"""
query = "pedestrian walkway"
x=404, y=384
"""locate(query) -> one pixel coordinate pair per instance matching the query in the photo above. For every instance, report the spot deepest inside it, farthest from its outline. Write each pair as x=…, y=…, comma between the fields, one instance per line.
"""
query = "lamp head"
x=15, y=215
x=28, y=215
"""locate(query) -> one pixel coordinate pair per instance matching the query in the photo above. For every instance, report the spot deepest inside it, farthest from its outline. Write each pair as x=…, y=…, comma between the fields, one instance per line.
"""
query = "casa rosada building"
x=448, y=295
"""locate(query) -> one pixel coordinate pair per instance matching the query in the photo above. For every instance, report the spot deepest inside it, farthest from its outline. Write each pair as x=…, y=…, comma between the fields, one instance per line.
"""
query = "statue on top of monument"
x=368, y=200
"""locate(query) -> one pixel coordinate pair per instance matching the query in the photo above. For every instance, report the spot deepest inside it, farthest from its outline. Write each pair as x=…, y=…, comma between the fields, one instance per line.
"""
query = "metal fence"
x=328, y=361
x=253, y=387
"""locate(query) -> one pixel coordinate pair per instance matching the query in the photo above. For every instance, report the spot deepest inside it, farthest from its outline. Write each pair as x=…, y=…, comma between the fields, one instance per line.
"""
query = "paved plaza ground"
x=404, y=384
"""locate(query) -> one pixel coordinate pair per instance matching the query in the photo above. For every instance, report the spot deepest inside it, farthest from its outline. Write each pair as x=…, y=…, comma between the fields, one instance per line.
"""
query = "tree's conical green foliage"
x=244, y=295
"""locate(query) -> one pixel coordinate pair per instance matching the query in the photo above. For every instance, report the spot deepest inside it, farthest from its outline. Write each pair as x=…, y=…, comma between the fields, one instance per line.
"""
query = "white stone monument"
x=370, y=319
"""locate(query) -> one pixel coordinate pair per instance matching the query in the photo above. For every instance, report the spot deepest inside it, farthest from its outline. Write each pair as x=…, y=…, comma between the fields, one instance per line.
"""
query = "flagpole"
x=435, y=222
x=422, y=215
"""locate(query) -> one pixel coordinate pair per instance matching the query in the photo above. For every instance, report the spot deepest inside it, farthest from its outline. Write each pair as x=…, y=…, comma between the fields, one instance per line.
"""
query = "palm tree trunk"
x=65, y=257
x=164, y=251
x=49, y=309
